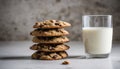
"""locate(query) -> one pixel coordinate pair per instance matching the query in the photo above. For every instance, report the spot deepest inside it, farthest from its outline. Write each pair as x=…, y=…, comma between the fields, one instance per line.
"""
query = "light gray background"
x=18, y=16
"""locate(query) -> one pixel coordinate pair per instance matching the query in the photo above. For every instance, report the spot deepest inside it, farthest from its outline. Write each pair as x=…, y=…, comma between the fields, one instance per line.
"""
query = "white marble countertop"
x=16, y=55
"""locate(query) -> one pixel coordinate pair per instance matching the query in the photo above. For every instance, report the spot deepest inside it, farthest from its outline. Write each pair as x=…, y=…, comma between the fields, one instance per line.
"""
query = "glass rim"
x=97, y=15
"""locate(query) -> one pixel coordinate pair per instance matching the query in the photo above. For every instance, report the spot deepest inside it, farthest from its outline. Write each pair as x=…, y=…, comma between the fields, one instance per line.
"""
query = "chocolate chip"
x=37, y=23
x=45, y=24
x=54, y=57
x=30, y=33
x=56, y=23
x=41, y=25
x=60, y=25
x=51, y=21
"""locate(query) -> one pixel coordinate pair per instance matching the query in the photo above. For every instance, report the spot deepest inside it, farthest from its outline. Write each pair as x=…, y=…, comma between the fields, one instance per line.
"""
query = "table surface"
x=16, y=55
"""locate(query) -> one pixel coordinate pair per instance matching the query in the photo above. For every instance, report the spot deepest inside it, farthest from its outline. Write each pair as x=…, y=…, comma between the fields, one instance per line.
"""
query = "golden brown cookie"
x=49, y=32
x=49, y=47
x=50, y=40
x=49, y=55
x=51, y=24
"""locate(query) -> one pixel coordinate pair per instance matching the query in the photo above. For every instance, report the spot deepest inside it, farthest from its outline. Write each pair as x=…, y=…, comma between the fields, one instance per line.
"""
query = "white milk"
x=97, y=40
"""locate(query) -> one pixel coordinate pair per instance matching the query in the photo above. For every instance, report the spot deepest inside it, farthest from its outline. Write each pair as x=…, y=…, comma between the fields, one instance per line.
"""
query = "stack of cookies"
x=50, y=37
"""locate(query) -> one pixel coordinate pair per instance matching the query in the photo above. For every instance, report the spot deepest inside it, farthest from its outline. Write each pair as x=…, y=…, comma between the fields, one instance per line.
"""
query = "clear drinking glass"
x=97, y=35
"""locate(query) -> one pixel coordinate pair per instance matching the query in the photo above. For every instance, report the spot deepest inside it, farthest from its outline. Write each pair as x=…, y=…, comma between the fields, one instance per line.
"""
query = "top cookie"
x=51, y=24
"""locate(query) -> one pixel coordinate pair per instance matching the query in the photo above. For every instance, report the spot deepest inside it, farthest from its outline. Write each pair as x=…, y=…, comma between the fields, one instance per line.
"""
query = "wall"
x=18, y=16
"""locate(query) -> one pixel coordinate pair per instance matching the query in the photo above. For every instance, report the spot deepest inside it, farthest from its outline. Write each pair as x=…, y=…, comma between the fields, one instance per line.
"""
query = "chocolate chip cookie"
x=51, y=24
x=49, y=32
x=50, y=36
x=50, y=40
x=49, y=47
x=49, y=55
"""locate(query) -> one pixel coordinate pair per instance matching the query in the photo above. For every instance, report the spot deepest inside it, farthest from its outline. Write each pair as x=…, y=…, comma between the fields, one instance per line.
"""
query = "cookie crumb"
x=65, y=62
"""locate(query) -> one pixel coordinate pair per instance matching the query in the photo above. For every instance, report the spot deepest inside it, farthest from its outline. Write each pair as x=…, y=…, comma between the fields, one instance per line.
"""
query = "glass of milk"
x=97, y=35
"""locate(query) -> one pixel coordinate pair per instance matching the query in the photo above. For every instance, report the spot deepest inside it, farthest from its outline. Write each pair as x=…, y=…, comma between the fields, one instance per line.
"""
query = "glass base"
x=97, y=55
